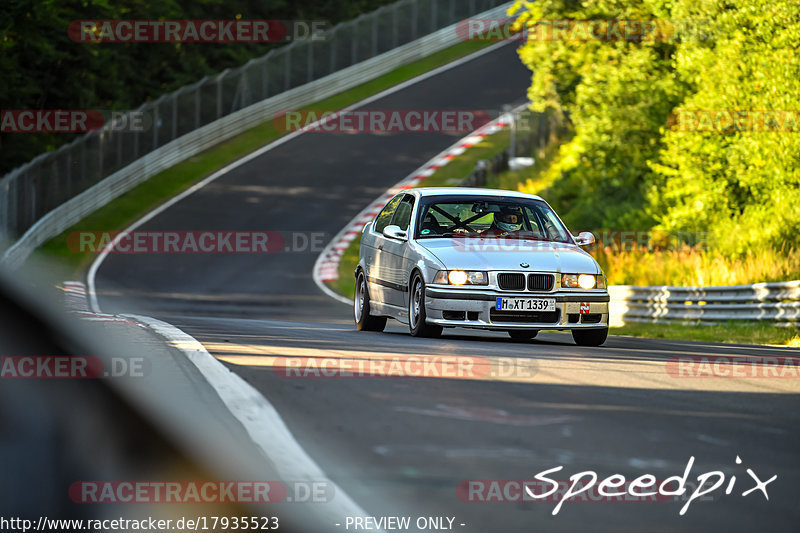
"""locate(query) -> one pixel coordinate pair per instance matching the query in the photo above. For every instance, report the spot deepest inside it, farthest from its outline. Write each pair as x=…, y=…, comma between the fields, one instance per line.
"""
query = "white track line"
x=254, y=412
x=260, y=419
x=327, y=265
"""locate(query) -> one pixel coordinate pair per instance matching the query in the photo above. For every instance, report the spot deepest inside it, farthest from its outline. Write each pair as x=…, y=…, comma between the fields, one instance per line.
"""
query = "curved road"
x=402, y=446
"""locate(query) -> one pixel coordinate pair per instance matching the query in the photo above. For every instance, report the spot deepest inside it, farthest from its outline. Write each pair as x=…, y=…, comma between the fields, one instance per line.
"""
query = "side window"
x=385, y=216
x=402, y=217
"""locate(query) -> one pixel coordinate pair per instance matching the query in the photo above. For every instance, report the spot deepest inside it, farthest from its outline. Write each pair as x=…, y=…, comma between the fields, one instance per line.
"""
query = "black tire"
x=523, y=334
x=364, y=321
x=590, y=337
x=416, y=310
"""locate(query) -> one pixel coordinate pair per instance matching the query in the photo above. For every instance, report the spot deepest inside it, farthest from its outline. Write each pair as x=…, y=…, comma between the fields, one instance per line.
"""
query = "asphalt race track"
x=403, y=446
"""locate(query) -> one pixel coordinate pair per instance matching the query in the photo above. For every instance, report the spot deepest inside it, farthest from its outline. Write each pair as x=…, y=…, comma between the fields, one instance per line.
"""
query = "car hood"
x=494, y=254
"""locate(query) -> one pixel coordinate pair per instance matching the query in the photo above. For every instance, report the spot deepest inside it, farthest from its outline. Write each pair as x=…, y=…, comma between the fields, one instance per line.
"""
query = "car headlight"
x=461, y=277
x=583, y=281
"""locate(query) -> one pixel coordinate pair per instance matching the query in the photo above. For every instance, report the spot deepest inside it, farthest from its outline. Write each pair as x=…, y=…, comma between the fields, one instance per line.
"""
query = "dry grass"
x=696, y=267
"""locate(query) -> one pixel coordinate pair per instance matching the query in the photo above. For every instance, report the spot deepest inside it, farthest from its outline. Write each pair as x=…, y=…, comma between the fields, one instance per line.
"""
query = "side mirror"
x=394, y=232
x=584, y=238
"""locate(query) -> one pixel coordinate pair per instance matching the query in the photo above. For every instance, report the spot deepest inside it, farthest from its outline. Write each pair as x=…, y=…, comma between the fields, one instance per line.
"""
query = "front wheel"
x=590, y=337
x=364, y=321
x=416, y=310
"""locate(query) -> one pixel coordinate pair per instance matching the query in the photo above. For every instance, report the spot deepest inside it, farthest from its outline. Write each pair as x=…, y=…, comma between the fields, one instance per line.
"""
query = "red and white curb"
x=326, y=267
x=77, y=302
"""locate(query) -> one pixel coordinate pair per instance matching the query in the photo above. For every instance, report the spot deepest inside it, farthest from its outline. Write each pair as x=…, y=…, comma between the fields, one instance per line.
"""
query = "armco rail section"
x=54, y=191
x=778, y=303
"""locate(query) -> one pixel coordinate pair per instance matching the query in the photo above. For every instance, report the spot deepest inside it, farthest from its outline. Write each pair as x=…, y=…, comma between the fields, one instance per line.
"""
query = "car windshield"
x=488, y=216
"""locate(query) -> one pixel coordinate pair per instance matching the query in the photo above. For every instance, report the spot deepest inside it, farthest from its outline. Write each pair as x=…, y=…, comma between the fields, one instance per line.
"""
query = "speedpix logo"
x=586, y=486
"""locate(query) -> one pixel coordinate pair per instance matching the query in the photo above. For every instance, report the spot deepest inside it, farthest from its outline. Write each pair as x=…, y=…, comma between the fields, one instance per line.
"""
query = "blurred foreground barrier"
x=772, y=302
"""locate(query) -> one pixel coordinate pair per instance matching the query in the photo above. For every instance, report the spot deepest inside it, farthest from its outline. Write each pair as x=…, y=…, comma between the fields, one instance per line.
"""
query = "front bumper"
x=469, y=308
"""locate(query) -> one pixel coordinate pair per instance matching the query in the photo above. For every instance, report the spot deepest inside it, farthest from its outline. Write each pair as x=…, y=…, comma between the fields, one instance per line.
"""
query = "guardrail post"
x=174, y=117
x=219, y=96
x=287, y=68
x=374, y=36
x=13, y=209
x=34, y=182
x=265, y=78
x=197, y=99
x=310, y=62
x=354, y=48
x=70, y=185
x=4, y=206
x=136, y=142
x=395, y=30
x=83, y=164
x=332, y=42
x=414, y=15
x=156, y=124
x=100, y=144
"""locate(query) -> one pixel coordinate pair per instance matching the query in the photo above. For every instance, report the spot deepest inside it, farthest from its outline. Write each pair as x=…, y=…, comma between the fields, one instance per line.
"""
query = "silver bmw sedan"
x=447, y=257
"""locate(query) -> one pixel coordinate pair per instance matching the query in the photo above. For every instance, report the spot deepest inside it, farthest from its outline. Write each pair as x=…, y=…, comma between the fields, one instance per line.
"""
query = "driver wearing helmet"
x=507, y=221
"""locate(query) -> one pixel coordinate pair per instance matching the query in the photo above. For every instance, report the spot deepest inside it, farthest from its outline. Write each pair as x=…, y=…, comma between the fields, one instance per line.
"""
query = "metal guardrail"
x=54, y=191
x=772, y=302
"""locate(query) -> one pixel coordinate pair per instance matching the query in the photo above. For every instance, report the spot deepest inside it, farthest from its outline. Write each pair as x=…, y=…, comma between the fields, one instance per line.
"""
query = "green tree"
x=743, y=186
x=627, y=166
x=42, y=68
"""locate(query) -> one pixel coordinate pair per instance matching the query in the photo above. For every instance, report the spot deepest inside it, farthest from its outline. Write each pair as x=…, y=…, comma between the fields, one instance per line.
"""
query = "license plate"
x=526, y=304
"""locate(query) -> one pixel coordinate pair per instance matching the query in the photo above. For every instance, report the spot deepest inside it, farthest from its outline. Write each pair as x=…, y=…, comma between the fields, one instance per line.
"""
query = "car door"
x=396, y=254
x=372, y=247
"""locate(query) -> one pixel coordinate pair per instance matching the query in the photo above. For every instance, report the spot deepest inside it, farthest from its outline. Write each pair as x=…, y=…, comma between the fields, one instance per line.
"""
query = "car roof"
x=471, y=191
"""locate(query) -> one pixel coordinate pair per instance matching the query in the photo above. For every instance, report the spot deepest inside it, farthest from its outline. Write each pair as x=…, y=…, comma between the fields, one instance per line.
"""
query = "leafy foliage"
x=43, y=69
x=628, y=166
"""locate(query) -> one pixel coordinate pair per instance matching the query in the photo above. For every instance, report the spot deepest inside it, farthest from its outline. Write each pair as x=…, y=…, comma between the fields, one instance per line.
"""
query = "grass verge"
x=124, y=210
x=696, y=267
x=681, y=267
x=734, y=332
